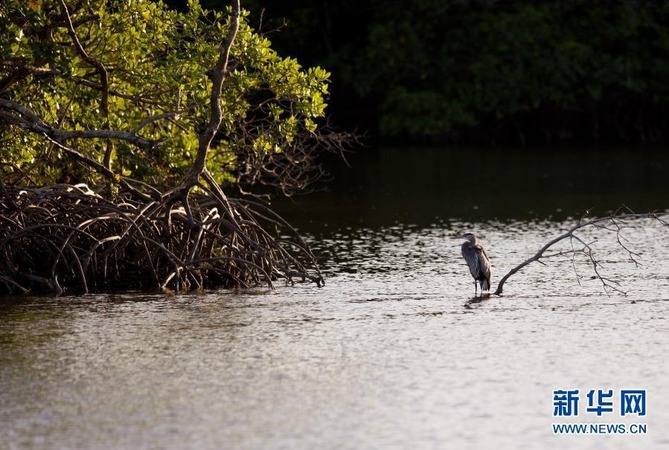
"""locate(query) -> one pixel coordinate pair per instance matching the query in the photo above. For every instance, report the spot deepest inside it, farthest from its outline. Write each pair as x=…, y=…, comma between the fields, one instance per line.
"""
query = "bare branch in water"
x=614, y=223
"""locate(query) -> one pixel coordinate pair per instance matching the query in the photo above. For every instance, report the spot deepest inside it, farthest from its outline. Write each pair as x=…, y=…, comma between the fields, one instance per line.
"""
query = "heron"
x=477, y=260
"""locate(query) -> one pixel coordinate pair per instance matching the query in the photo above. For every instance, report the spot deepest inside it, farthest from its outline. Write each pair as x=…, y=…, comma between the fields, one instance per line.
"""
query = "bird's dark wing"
x=484, y=267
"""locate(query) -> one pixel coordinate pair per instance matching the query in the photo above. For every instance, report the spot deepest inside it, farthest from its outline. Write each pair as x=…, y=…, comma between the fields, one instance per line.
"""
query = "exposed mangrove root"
x=67, y=238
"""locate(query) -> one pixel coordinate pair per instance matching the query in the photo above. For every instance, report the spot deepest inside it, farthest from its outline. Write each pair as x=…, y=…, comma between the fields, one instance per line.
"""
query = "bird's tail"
x=485, y=284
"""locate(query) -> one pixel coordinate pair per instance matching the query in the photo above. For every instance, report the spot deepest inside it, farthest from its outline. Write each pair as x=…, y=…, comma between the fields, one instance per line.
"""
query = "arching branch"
x=612, y=223
x=23, y=117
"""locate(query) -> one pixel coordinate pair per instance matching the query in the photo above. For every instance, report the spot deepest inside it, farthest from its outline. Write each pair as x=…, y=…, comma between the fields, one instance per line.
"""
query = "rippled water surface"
x=394, y=352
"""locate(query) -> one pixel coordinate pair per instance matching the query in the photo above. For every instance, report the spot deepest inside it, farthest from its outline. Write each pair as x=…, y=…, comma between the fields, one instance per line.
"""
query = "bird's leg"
x=475, y=288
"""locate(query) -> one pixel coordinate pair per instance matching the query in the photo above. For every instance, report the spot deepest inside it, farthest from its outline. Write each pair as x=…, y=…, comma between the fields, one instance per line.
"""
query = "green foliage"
x=156, y=61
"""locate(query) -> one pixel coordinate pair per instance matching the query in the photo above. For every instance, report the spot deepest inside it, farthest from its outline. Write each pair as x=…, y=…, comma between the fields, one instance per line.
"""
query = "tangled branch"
x=67, y=238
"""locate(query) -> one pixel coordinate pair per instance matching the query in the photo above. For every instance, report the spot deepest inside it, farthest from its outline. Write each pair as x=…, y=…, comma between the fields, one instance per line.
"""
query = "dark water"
x=394, y=352
x=423, y=186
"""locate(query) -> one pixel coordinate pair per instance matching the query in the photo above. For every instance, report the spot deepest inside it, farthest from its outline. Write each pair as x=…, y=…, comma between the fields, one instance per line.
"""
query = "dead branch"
x=613, y=223
x=296, y=167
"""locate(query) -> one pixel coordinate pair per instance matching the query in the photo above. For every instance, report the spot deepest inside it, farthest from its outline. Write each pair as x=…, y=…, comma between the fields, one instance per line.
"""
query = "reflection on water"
x=423, y=185
x=393, y=353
